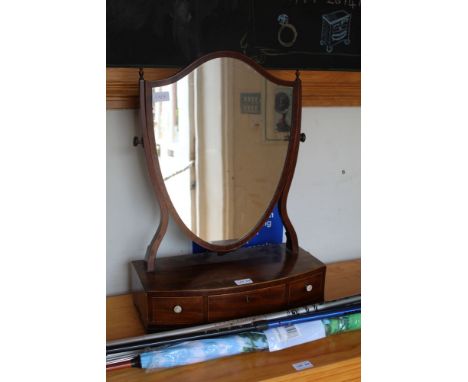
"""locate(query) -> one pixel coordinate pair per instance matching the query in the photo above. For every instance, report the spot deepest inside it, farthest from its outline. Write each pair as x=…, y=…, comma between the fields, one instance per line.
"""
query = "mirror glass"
x=222, y=135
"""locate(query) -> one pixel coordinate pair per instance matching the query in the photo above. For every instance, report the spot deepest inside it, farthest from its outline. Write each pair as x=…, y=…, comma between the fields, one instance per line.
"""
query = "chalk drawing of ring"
x=290, y=43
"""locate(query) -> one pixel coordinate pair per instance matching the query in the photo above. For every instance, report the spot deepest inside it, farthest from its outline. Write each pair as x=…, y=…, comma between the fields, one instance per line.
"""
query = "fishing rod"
x=197, y=351
x=233, y=323
x=127, y=352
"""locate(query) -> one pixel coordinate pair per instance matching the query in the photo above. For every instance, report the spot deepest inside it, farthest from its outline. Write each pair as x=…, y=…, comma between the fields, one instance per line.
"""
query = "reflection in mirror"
x=222, y=135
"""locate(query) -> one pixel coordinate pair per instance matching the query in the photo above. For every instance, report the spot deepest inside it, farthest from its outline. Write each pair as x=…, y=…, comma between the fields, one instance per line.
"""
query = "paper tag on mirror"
x=160, y=96
x=243, y=281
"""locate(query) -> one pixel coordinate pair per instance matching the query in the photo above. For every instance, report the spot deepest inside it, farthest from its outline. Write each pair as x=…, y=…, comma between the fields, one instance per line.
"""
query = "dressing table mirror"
x=221, y=140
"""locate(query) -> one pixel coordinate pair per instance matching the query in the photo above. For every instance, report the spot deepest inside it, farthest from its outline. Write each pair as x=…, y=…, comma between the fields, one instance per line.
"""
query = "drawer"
x=257, y=301
x=177, y=310
x=306, y=290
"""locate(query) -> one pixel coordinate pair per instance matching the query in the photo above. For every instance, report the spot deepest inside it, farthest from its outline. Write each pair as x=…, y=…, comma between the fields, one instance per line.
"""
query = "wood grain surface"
x=319, y=88
x=279, y=281
x=265, y=265
x=336, y=358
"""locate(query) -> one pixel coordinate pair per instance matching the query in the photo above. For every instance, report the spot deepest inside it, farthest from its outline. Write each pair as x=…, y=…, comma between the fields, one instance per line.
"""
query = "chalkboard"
x=288, y=34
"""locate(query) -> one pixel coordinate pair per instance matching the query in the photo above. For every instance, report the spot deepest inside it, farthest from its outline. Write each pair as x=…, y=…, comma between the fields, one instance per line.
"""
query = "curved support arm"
x=291, y=236
x=157, y=239
x=164, y=209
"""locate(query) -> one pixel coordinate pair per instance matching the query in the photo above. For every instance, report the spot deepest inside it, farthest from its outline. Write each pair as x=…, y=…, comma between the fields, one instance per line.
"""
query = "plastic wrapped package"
x=190, y=352
x=342, y=324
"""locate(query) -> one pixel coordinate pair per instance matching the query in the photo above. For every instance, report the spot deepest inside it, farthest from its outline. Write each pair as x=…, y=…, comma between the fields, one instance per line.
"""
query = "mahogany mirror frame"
x=166, y=206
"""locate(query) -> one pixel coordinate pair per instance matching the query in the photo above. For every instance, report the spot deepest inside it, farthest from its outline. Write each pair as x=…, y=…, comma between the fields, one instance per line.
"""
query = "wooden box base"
x=195, y=289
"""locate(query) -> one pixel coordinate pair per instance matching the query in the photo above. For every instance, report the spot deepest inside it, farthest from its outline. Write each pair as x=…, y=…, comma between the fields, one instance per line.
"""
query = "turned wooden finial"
x=297, y=74
x=141, y=74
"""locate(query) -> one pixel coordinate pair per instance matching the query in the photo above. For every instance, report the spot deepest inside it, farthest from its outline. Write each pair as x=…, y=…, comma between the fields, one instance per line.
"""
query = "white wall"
x=324, y=204
x=132, y=212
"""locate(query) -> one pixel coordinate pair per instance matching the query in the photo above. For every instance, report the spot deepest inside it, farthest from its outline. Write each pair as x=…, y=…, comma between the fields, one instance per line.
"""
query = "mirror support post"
x=291, y=236
x=145, y=120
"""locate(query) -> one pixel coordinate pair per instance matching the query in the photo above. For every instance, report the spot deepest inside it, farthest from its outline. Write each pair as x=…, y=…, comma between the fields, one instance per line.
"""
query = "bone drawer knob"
x=177, y=309
x=309, y=288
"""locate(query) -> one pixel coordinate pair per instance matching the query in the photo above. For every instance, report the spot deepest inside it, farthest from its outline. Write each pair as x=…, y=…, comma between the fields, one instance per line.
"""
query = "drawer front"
x=177, y=310
x=234, y=305
x=306, y=290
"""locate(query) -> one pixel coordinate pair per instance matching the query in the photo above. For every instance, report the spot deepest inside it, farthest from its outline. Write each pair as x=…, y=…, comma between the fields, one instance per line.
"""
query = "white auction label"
x=302, y=365
x=287, y=333
x=243, y=281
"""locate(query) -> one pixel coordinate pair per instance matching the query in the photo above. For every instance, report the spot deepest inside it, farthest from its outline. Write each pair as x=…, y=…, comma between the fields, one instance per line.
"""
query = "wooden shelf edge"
x=319, y=88
x=340, y=371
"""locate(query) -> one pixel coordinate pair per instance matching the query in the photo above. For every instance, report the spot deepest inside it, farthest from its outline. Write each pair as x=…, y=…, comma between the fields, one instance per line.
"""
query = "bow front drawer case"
x=207, y=290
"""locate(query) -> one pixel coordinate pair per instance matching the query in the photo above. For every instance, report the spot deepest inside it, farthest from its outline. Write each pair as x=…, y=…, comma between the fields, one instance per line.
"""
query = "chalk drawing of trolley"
x=336, y=29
